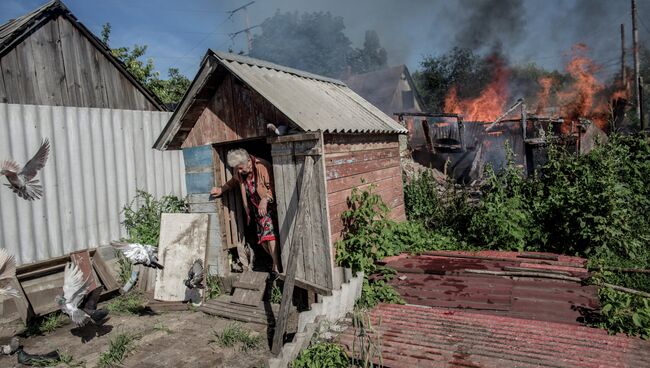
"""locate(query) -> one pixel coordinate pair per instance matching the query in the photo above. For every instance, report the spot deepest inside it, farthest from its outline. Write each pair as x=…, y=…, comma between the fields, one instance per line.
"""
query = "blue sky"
x=179, y=32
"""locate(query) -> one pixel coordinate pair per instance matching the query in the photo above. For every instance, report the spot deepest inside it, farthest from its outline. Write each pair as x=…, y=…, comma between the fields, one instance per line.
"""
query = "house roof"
x=17, y=30
x=311, y=102
x=379, y=86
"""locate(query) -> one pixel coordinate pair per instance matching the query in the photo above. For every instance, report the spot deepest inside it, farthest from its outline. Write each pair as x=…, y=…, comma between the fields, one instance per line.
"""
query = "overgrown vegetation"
x=276, y=294
x=322, y=355
x=131, y=303
x=118, y=347
x=234, y=334
x=212, y=286
x=125, y=267
x=142, y=216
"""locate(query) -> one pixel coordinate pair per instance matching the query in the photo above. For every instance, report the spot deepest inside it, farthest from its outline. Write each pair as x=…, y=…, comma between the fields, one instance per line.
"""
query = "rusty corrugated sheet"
x=440, y=279
x=414, y=336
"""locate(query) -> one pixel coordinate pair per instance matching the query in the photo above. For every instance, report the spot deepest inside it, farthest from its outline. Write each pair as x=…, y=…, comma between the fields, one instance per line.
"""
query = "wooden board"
x=104, y=273
x=223, y=307
x=183, y=239
x=249, y=288
x=82, y=260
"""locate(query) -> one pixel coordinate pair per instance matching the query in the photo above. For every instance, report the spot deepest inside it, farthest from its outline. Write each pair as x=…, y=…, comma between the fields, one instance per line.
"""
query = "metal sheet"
x=99, y=157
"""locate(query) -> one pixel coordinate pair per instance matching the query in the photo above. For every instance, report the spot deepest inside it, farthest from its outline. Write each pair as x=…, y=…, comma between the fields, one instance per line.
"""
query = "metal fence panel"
x=98, y=159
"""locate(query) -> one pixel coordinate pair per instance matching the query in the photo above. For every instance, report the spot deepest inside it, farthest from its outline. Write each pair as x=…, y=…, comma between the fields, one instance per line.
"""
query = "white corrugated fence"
x=98, y=159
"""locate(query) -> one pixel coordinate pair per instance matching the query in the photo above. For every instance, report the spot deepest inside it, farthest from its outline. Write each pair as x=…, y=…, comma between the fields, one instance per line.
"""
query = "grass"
x=46, y=325
x=161, y=327
x=131, y=303
x=119, y=346
x=234, y=334
x=125, y=267
x=213, y=287
x=276, y=295
x=65, y=359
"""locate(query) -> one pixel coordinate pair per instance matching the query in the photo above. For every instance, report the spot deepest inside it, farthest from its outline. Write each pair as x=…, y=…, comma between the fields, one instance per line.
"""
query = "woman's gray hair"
x=237, y=156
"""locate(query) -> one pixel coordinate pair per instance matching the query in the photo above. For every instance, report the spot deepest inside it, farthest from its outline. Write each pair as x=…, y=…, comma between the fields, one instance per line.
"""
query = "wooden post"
x=635, y=52
x=623, y=79
x=641, y=112
x=292, y=262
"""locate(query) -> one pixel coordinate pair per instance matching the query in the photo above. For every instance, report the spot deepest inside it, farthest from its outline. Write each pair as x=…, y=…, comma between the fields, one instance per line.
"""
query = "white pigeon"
x=7, y=273
x=75, y=289
x=21, y=180
x=142, y=254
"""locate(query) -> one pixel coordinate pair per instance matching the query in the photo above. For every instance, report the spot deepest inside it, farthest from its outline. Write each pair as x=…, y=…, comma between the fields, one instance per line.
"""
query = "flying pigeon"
x=280, y=129
x=75, y=289
x=195, y=275
x=21, y=180
x=7, y=273
x=142, y=254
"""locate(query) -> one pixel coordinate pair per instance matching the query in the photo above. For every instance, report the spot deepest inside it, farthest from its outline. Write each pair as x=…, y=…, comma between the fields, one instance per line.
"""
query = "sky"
x=178, y=33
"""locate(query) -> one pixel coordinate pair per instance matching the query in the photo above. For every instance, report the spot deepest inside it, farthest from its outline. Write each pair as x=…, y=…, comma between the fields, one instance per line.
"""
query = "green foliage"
x=118, y=347
x=125, y=267
x=276, y=295
x=234, y=334
x=622, y=312
x=377, y=291
x=322, y=355
x=169, y=91
x=131, y=303
x=161, y=327
x=371, y=57
x=213, y=286
x=142, y=216
x=51, y=323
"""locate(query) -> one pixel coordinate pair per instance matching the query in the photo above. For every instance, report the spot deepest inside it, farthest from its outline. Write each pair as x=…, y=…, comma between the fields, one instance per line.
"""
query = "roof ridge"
x=269, y=65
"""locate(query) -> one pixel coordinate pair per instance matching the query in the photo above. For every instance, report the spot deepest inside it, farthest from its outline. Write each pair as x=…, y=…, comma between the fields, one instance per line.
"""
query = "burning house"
x=475, y=132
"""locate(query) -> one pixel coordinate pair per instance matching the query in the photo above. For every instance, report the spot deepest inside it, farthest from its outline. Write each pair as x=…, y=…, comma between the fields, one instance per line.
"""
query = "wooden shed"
x=48, y=57
x=347, y=141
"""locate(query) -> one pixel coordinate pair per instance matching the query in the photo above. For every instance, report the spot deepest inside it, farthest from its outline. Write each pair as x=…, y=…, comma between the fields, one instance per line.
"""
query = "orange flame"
x=544, y=95
x=579, y=100
x=488, y=105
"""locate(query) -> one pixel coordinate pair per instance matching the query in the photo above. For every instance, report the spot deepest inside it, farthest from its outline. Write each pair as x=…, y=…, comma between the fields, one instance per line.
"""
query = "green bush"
x=142, y=216
x=622, y=312
x=322, y=355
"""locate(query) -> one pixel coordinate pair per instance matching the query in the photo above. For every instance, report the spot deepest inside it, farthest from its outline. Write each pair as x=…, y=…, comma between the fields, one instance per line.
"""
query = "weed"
x=119, y=346
x=234, y=334
x=131, y=303
x=322, y=355
x=213, y=287
x=126, y=267
x=276, y=295
x=622, y=312
x=142, y=216
x=51, y=323
x=161, y=327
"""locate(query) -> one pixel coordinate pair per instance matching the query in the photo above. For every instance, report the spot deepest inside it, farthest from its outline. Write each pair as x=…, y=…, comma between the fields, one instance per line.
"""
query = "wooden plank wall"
x=58, y=66
x=235, y=112
x=349, y=159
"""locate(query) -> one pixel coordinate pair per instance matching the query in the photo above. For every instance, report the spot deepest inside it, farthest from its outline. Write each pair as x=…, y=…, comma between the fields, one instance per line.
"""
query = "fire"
x=584, y=97
x=489, y=104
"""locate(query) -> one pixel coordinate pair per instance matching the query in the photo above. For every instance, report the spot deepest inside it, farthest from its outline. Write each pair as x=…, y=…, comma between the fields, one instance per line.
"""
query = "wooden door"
x=314, y=266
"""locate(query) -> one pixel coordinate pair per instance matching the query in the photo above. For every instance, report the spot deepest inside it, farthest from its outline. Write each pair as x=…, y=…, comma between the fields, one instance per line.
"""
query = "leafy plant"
x=51, y=323
x=234, y=334
x=125, y=267
x=623, y=312
x=118, y=347
x=276, y=295
x=322, y=355
x=131, y=303
x=213, y=286
x=142, y=216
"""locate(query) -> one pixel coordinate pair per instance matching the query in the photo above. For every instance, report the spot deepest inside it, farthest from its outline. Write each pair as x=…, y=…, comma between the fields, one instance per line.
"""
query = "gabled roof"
x=379, y=86
x=17, y=30
x=311, y=102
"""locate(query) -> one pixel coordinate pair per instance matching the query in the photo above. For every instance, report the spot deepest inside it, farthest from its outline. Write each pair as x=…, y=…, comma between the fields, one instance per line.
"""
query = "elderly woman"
x=253, y=177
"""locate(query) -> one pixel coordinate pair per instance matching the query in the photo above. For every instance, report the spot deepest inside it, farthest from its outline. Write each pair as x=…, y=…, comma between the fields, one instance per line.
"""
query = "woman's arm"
x=217, y=192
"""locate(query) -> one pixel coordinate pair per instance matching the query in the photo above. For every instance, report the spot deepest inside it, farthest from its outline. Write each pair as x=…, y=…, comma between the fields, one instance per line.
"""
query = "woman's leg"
x=271, y=249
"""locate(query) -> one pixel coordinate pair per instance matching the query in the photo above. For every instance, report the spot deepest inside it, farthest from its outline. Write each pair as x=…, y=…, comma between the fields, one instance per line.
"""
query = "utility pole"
x=248, y=26
x=623, y=79
x=635, y=51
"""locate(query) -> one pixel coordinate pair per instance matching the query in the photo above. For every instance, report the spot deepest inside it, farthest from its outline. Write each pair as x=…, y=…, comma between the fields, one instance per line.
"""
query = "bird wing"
x=7, y=265
x=93, y=298
x=74, y=285
x=37, y=162
x=136, y=253
x=79, y=317
x=11, y=165
x=197, y=269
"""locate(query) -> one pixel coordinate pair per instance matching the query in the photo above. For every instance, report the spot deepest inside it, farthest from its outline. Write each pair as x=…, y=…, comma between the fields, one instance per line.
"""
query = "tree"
x=313, y=42
x=169, y=91
x=371, y=57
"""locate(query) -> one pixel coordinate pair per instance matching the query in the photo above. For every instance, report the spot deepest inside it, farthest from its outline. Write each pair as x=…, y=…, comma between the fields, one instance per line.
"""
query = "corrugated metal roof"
x=312, y=102
x=16, y=26
x=440, y=279
x=414, y=336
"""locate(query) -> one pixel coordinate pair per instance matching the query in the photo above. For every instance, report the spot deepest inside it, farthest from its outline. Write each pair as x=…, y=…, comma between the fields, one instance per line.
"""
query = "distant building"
x=391, y=90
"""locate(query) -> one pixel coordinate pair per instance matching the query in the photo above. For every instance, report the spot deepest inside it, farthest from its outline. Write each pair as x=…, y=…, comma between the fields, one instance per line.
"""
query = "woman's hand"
x=216, y=192
x=262, y=209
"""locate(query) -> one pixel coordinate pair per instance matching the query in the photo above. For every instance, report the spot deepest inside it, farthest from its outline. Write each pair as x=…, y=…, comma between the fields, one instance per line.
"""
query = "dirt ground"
x=170, y=339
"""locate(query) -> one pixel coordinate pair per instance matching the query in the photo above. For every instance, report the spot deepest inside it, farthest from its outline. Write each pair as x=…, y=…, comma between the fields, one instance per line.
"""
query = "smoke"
x=490, y=23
